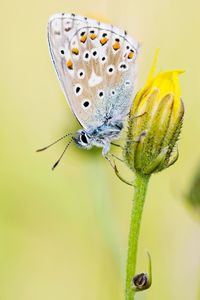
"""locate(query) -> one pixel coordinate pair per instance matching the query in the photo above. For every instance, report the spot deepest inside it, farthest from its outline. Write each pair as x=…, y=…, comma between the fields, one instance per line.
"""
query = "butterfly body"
x=101, y=136
x=95, y=63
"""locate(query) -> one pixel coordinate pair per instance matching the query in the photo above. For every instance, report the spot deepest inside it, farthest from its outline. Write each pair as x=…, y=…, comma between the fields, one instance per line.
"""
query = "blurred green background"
x=63, y=234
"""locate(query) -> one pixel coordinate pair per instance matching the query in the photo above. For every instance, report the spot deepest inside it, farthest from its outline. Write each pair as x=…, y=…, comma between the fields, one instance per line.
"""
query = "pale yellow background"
x=63, y=234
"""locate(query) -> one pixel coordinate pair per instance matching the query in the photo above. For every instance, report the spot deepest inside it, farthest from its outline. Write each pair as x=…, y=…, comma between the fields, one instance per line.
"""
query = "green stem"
x=141, y=182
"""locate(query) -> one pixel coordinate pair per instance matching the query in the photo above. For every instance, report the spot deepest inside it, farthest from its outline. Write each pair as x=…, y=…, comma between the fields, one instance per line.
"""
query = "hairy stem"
x=141, y=182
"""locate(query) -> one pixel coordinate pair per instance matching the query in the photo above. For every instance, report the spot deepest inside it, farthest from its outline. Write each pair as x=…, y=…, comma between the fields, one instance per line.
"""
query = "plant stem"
x=141, y=182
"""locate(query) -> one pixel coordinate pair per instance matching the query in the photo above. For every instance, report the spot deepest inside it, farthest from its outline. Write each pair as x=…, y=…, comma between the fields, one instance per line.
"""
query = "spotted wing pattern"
x=95, y=64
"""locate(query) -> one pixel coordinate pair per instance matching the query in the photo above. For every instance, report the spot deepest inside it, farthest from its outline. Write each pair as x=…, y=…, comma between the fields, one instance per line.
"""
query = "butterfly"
x=95, y=64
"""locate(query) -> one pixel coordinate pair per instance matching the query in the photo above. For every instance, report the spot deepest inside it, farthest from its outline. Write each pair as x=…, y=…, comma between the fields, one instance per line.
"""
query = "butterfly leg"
x=109, y=160
x=117, y=145
x=113, y=155
x=106, y=153
x=113, y=165
x=132, y=141
x=135, y=117
x=138, y=139
x=120, y=177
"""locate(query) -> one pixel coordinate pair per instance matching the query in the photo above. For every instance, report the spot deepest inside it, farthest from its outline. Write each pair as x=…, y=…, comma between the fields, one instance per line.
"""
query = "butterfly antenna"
x=55, y=165
x=42, y=149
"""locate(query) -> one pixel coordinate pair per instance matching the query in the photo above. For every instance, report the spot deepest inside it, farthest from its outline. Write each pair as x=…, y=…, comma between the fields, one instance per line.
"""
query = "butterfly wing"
x=95, y=64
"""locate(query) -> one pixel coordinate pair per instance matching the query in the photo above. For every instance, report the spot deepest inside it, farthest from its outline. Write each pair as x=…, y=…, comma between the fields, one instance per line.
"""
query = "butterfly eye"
x=101, y=94
x=110, y=69
x=86, y=104
x=81, y=73
x=86, y=55
x=83, y=138
x=78, y=89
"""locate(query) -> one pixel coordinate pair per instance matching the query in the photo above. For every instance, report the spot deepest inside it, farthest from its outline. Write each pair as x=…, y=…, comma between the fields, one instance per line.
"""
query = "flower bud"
x=154, y=124
x=141, y=282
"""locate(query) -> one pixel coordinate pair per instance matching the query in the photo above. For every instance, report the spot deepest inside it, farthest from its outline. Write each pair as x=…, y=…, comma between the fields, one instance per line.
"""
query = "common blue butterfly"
x=95, y=63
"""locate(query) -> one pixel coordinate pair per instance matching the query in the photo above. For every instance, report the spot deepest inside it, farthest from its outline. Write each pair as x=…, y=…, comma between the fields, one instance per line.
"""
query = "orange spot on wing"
x=83, y=38
x=69, y=64
x=103, y=41
x=116, y=46
x=130, y=55
x=93, y=36
x=75, y=51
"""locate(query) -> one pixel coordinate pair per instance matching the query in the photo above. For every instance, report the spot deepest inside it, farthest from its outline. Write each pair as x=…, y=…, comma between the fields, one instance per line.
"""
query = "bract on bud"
x=155, y=123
